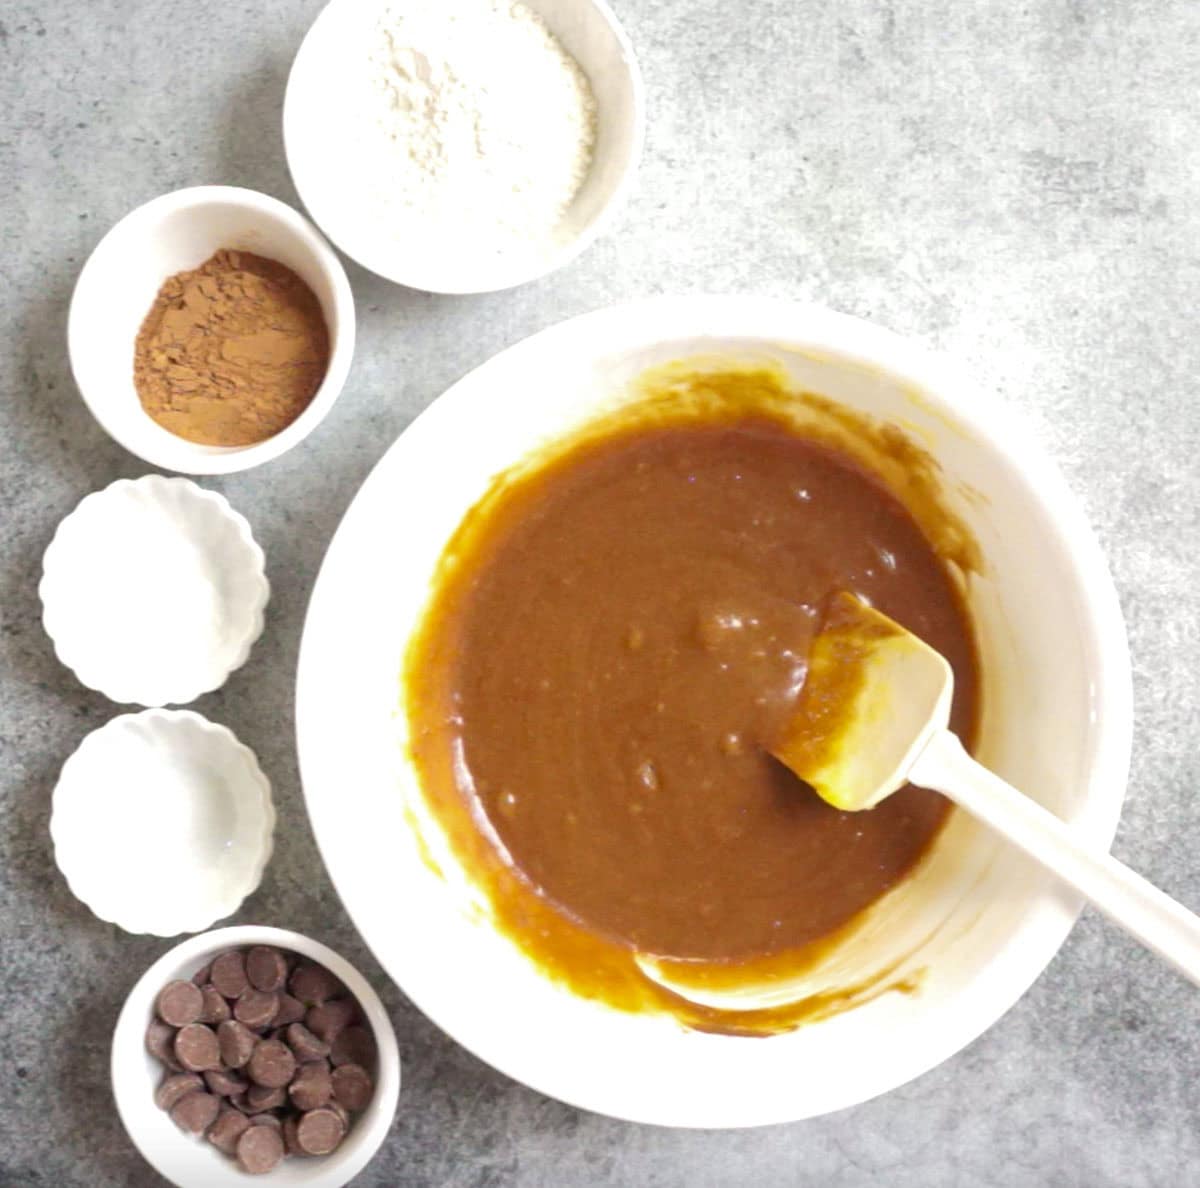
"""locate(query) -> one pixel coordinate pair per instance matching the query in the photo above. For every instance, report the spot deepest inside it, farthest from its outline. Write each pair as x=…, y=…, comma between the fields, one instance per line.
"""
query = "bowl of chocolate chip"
x=255, y=1051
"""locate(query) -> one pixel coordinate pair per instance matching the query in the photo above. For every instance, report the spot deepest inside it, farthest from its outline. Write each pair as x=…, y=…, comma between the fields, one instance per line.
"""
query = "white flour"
x=481, y=125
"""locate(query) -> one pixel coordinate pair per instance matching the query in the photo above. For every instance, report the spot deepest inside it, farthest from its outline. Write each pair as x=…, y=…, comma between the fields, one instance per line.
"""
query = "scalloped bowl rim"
x=112, y=686
x=169, y=720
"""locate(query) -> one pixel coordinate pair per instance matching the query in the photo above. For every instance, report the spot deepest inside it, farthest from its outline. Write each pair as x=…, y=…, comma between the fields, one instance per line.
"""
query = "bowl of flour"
x=463, y=146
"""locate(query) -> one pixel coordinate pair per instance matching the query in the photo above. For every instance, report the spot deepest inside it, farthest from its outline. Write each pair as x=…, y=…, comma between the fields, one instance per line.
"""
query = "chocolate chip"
x=311, y=1087
x=225, y=1083
x=160, y=1043
x=227, y=1129
x=175, y=1087
x=329, y=1019
x=305, y=1045
x=291, y=1141
x=196, y=1047
x=179, y=1003
x=266, y=969
x=291, y=1010
x=262, y=1097
x=216, y=1009
x=236, y=1041
x=352, y=1086
x=319, y=1132
x=256, y=1008
x=195, y=1112
x=259, y=1149
x=355, y=1045
x=272, y=1064
x=313, y=984
x=282, y=1050
x=228, y=974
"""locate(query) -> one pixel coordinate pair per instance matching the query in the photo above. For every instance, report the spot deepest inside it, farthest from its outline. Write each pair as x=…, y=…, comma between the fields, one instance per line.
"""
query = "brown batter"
x=614, y=643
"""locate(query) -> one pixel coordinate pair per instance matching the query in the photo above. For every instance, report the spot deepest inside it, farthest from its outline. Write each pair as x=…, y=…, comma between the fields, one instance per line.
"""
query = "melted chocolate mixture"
x=630, y=628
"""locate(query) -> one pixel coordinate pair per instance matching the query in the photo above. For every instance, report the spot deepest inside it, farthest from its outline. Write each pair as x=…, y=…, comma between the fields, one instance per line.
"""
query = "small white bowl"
x=118, y=284
x=153, y=590
x=195, y=1163
x=314, y=133
x=162, y=822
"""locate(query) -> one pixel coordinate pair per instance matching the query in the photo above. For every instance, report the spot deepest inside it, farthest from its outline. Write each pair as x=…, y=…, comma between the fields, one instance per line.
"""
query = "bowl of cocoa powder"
x=211, y=330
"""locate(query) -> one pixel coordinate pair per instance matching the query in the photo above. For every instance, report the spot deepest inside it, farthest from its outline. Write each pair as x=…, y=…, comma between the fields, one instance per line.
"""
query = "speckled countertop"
x=1016, y=184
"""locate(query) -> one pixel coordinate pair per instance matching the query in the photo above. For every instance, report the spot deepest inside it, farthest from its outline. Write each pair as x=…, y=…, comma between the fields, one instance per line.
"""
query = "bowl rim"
x=564, y=253
x=177, y=453
x=114, y=687
x=127, y=1046
x=1018, y=963
x=157, y=718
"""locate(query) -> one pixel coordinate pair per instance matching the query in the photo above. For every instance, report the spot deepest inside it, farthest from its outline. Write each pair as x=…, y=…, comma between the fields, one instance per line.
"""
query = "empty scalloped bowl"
x=153, y=591
x=162, y=822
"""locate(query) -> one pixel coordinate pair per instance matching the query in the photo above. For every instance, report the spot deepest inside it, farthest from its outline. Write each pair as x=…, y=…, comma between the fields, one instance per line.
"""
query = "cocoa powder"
x=231, y=352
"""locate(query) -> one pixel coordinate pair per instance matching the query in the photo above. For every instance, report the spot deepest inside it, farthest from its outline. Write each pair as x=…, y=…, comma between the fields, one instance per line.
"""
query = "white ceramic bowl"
x=121, y=278
x=979, y=919
x=194, y=1163
x=162, y=822
x=153, y=590
x=314, y=133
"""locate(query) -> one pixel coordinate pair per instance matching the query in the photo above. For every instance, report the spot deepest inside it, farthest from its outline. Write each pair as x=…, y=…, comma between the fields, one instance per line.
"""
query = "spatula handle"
x=1153, y=917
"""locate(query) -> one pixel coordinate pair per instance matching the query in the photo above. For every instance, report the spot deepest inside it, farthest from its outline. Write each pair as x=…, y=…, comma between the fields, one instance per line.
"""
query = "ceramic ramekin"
x=153, y=590
x=162, y=822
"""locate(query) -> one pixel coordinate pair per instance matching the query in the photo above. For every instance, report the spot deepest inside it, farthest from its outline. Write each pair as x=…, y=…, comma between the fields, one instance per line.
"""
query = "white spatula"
x=873, y=716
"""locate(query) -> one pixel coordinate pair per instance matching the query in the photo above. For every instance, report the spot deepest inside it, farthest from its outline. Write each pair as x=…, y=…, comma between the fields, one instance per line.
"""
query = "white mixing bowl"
x=983, y=921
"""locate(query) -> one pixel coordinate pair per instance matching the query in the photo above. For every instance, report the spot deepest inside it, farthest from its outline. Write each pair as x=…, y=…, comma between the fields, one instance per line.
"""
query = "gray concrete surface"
x=1017, y=184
